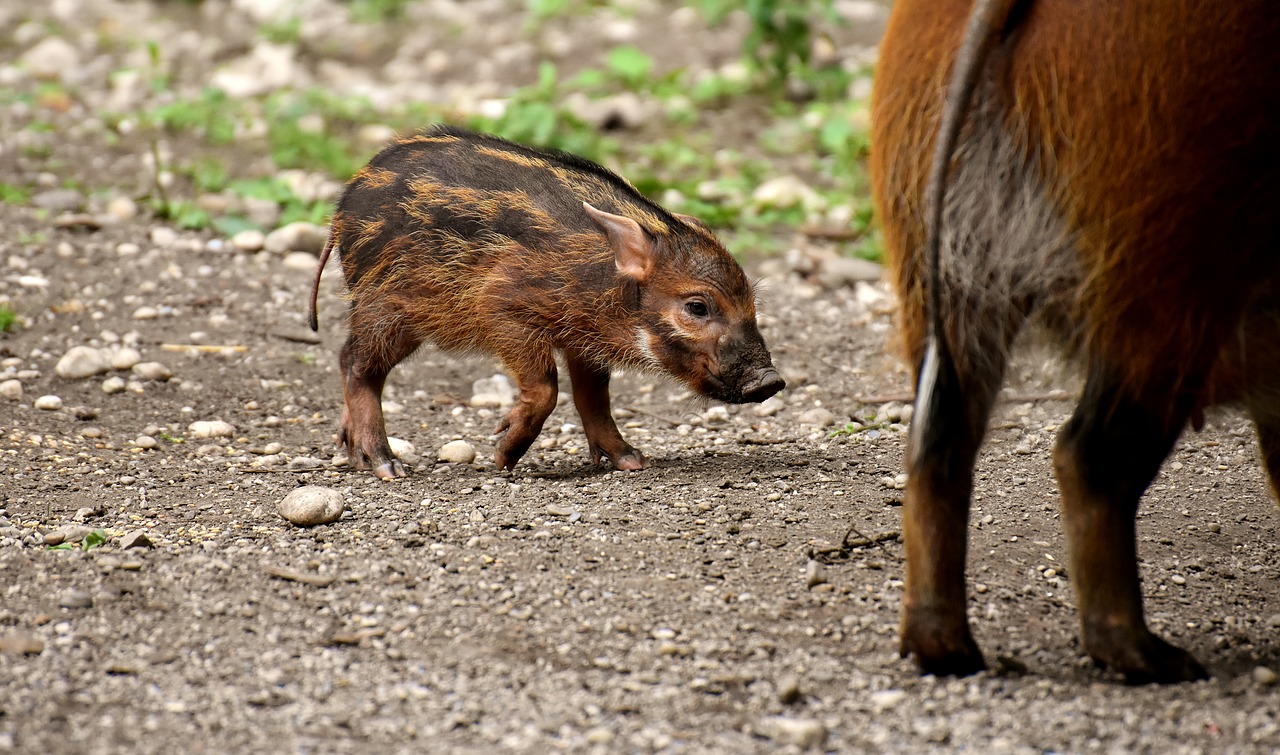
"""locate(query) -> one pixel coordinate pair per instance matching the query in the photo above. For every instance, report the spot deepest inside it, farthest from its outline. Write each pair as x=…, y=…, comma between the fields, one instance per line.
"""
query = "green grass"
x=677, y=157
x=8, y=319
x=11, y=194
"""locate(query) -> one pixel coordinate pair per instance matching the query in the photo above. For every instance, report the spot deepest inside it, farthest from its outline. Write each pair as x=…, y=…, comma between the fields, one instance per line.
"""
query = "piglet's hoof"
x=632, y=461
x=390, y=470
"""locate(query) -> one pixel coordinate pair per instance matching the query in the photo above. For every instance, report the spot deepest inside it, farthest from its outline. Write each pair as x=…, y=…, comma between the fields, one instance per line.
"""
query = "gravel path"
x=161, y=396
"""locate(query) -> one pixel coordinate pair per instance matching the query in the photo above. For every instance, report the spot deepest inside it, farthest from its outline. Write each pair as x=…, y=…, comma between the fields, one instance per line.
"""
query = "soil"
x=741, y=595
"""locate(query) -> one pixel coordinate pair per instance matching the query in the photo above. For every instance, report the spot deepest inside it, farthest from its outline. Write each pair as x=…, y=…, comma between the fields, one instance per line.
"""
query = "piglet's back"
x=478, y=194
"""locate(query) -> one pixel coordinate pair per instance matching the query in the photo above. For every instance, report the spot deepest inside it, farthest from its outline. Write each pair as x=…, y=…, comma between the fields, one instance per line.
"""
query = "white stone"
x=11, y=389
x=163, y=235
x=784, y=191
x=837, y=272
x=493, y=391
x=249, y=240
x=311, y=505
x=51, y=58
x=145, y=441
x=113, y=384
x=145, y=313
x=81, y=362
x=122, y=207
x=819, y=416
x=268, y=66
x=891, y=411
x=802, y=732
x=211, y=429
x=457, y=451
x=49, y=403
x=769, y=407
x=124, y=358
x=300, y=261
x=403, y=449
x=152, y=371
x=296, y=237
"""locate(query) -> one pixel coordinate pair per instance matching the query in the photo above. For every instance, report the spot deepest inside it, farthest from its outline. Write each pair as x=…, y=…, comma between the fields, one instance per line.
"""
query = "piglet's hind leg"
x=537, y=382
x=364, y=429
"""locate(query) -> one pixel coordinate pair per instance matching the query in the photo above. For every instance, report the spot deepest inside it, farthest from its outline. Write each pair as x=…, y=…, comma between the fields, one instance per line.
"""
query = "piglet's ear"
x=632, y=250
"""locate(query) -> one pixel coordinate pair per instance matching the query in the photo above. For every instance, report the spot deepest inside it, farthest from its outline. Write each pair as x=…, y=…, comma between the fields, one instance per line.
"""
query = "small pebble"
x=113, y=384
x=456, y=451
x=311, y=505
x=81, y=362
x=154, y=371
x=124, y=358
x=1265, y=676
x=73, y=598
x=789, y=690
x=403, y=449
x=49, y=403
x=145, y=441
x=17, y=642
x=814, y=574
x=211, y=429
x=299, y=261
x=135, y=539
x=11, y=389
x=296, y=237
x=146, y=313
x=251, y=240
x=298, y=463
x=818, y=416
x=163, y=235
x=769, y=407
x=496, y=391
x=802, y=732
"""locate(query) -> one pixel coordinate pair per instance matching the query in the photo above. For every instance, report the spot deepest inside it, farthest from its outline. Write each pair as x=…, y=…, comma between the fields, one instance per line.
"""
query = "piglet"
x=478, y=244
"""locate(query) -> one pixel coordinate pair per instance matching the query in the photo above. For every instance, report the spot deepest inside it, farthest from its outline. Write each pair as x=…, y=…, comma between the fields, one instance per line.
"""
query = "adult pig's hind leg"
x=1107, y=454
x=365, y=361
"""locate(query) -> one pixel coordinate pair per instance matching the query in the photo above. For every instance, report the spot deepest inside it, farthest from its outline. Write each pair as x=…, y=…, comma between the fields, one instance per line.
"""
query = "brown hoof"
x=1145, y=659
x=941, y=650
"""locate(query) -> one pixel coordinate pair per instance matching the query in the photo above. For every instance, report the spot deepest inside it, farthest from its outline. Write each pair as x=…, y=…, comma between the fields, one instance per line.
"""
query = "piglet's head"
x=695, y=314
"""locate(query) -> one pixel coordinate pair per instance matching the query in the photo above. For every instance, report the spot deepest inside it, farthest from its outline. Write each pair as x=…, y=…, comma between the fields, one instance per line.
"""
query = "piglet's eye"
x=696, y=308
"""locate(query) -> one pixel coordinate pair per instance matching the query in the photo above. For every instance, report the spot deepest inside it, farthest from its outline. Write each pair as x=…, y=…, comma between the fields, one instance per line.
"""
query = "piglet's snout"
x=763, y=384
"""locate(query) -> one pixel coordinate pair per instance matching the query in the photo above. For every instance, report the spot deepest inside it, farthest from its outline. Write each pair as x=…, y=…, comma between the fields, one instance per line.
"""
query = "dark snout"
x=763, y=384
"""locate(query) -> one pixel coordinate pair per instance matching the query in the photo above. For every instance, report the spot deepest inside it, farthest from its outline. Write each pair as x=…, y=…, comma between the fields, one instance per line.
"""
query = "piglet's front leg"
x=591, y=396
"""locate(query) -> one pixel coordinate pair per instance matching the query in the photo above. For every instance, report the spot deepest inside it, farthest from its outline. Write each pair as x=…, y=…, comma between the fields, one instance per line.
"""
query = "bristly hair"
x=576, y=162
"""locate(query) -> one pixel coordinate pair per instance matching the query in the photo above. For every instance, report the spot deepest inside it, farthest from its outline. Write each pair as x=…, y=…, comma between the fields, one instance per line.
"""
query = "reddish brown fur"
x=477, y=244
x=1149, y=132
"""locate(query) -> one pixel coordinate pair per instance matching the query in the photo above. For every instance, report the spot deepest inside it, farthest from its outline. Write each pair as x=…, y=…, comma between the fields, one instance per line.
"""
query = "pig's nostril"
x=765, y=384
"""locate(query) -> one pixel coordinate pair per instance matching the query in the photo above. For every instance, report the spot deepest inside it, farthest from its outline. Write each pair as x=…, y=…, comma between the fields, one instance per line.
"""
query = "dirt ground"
x=703, y=605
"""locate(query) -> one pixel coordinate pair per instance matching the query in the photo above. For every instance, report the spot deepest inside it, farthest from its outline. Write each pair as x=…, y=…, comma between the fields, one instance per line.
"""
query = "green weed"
x=11, y=194
x=94, y=539
x=8, y=319
x=377, y=11
x=284, y=32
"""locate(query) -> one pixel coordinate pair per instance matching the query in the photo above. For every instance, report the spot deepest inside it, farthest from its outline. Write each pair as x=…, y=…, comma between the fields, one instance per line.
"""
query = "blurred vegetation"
x=801, y=115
